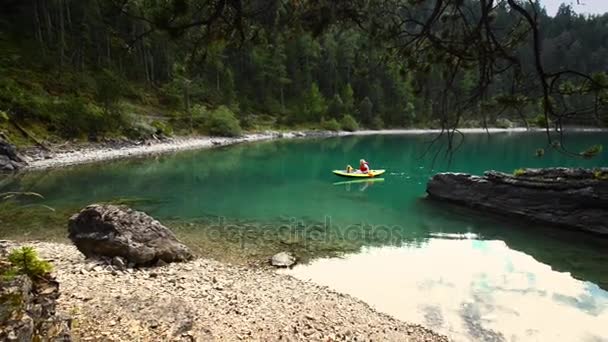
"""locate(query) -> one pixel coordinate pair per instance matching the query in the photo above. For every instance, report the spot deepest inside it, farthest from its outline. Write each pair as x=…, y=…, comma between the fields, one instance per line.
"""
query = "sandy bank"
x=207, y=300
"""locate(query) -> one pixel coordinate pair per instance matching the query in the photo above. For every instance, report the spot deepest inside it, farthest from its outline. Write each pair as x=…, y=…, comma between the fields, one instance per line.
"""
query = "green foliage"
x=172, y=95
x=592, y=151
x=349, y=123
x=539, y=121
x=140, y=130
x=348, y=99
x=504, y=123
x=600, y=175
x=162, y=128
x=540, y=152
x=110, y=87
x=72, y=116
x=314, y=104
x=3, y=116
x=365, y=110
x=519, y=172
x=330, y=125
x=223, y=122
x=600, y=81
x=336, y=107
x=285, y=71
x=377, y=123
x=25, y=261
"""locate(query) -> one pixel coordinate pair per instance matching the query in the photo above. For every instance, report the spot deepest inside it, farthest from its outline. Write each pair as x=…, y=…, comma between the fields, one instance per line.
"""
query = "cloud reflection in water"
x=469, y=290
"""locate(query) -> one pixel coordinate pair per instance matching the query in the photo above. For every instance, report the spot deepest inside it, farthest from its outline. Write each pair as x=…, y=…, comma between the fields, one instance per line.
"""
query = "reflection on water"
x=469, y=289
x=362, y=184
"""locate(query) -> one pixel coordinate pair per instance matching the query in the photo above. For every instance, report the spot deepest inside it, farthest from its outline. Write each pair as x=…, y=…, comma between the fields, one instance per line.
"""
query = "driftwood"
x=31, y=136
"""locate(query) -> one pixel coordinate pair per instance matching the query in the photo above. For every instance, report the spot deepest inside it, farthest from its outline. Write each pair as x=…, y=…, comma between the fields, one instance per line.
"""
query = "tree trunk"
x=61, y=35
x=108, y=50
x=187, y=96
x=217, y=79
x=69, y=15
x=49, y=23
x=152, y=69
x=38, y=27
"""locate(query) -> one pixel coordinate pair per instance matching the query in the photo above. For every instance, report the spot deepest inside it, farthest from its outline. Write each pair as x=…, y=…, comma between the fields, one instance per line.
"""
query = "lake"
x=468, y=275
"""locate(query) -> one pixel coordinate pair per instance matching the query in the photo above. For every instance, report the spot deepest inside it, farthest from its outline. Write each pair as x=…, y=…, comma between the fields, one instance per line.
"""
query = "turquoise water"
x=293, y=179
x=282, y=195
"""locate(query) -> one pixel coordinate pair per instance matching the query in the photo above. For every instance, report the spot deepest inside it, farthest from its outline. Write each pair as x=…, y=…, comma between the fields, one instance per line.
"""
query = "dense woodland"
x=90, y=68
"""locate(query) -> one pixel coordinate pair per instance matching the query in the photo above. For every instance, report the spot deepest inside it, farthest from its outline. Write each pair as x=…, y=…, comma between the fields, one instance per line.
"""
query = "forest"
x=93, y=68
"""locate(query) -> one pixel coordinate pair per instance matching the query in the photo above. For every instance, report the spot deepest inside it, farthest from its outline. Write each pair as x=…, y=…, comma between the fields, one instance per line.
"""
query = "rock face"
x=572, y=198
x=117, y=231
x=27, y=310
x=283, y=259
x=10, y=160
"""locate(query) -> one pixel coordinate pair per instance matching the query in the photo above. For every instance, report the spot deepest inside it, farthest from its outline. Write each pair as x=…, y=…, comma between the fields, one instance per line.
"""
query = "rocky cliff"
x=572, y=198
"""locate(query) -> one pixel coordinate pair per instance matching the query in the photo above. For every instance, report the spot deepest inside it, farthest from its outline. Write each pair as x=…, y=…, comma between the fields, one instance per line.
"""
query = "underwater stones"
x=283, y=259
x=104, y=230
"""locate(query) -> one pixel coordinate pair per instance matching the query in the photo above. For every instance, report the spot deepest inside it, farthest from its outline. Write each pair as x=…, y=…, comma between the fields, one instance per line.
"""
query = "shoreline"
x=478, y=130
x=92, y=153
x=208, y=300
x=96, y=152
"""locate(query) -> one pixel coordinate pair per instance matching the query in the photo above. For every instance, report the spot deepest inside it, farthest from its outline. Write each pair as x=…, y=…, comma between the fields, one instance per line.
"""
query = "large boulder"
x=117, y=231
x=10, y=159
x=572, y=198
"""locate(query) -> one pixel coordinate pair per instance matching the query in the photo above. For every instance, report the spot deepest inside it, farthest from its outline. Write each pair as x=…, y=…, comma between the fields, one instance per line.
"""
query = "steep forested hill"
x=102, y=67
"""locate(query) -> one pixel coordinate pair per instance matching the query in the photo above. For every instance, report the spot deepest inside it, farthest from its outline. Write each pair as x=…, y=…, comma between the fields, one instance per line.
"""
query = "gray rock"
x=119, y=263
x=571, y=198
x=6, y=164
x=283, y=259
x=109, y=230
x=29, y=311
x=10, y=159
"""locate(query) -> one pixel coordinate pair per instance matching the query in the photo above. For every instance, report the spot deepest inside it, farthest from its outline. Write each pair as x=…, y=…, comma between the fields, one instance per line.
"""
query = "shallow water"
x=469, y=289
x=460, y=272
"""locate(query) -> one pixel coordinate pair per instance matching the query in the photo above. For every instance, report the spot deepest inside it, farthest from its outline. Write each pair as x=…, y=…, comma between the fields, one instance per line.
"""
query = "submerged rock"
x=117, y=231
x=283, y=259
x=571, y=198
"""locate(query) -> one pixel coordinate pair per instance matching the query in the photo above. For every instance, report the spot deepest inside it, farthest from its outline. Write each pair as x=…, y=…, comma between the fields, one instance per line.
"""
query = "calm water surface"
x=470, y=276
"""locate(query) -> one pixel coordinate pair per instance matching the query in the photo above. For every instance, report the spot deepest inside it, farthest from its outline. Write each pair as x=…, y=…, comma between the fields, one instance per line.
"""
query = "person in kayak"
x=363, y=166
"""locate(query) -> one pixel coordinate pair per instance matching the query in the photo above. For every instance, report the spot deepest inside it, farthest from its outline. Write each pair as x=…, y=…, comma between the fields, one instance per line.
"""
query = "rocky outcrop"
x=10, y=159
x=117, y=231
x=27, y=310
x=572, y=198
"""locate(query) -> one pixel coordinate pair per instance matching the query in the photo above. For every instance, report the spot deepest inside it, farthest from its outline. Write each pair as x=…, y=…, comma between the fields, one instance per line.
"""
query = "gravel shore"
x=80, y=154
x=206, y=300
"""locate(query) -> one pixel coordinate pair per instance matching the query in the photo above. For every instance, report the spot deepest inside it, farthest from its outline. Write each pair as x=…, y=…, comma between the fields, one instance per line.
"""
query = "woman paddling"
x=363, y=166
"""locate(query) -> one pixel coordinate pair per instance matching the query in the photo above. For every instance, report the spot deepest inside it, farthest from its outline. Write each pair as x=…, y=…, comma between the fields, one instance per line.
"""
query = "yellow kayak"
x=354, y=174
